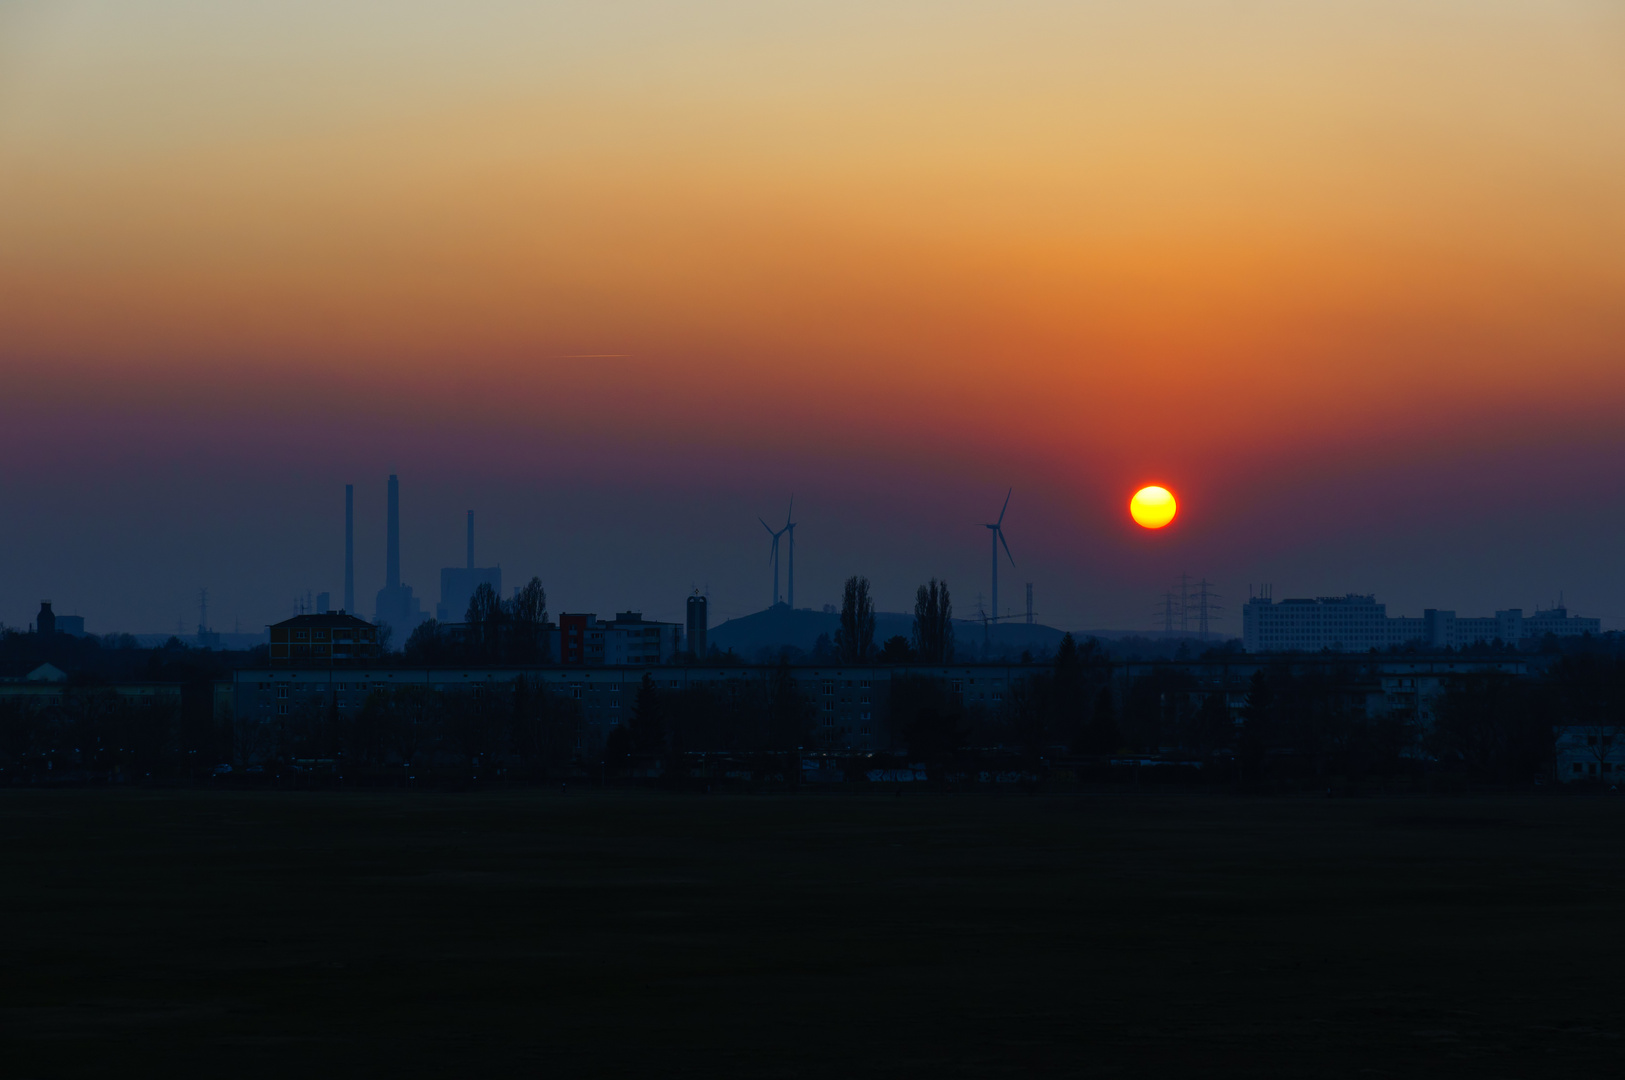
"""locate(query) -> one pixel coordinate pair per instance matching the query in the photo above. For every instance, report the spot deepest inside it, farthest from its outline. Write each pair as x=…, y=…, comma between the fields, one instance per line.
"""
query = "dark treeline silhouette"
x=855, y=639
x=494, y=631
x=91, y=659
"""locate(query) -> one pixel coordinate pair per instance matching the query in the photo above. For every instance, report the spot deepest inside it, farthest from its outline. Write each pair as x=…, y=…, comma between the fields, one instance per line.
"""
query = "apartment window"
x=343, y=686
x=1578, y=767
x=282, y=709
x=575, y=690
x=673, y=682
x=864, y=685
x=615, y=689
x=282, y=692
x=829, y=686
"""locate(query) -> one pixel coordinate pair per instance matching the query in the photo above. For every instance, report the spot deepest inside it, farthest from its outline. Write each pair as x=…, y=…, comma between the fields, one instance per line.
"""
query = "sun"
x=1153, y=507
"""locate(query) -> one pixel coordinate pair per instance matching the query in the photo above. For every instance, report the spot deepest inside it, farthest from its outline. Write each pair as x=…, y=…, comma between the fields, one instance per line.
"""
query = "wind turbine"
x=998, y=538
x=790, y=575
x=774, y=557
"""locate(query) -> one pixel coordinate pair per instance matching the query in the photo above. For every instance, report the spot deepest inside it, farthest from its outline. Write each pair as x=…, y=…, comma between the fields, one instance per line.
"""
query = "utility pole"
x=1029, y=603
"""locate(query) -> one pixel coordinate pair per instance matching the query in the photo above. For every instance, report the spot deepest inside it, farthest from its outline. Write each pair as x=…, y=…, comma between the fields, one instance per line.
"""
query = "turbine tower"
x=790, y=570
x=997, y=528
x=773, y=557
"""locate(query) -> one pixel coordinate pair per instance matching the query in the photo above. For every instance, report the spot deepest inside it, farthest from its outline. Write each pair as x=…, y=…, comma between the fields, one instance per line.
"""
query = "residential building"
x=329, y=638
x=584, y=640
x=1594, y=752
x=1358, y=623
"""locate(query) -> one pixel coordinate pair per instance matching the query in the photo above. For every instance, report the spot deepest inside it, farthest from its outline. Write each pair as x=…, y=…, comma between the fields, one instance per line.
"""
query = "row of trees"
x=494, y=631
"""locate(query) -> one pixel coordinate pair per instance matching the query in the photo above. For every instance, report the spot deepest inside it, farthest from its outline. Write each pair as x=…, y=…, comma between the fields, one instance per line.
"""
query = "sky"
x=620, y=277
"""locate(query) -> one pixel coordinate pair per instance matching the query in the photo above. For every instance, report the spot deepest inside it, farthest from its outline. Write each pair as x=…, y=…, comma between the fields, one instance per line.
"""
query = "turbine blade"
x=1000, y=534
x=1006, y=505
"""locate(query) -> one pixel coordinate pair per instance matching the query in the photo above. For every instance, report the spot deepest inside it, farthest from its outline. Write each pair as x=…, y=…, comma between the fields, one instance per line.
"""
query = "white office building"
x=1357, y=623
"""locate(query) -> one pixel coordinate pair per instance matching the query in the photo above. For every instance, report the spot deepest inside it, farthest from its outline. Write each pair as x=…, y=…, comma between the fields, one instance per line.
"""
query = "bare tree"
x=933, y=623
x=528, y=610
x=855, y=640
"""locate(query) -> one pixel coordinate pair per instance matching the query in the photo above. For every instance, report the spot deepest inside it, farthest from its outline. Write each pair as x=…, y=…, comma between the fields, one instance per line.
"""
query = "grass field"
x=601, y=934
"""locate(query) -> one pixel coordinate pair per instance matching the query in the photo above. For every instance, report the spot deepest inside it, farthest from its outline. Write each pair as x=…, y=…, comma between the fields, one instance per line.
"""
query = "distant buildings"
x=1590, y=752
x=698, y=624
x=45, y=621
x=457, y=584
x=323, y=639
x=395, y=606
x=584, y=641
x=1357, y=623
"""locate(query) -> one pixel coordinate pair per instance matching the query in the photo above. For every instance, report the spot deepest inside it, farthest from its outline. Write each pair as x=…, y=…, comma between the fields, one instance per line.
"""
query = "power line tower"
x=1029, y=603
x=1205, y=607
x=1184, y=603
x=203, y=611
x=1166, y=613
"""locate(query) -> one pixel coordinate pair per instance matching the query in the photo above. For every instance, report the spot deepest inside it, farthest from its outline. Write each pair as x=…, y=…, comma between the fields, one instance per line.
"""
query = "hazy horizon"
x=622, y=277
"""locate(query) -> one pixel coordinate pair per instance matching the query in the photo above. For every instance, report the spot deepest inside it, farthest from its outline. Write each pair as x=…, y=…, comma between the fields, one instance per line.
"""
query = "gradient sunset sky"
x=1348, y=277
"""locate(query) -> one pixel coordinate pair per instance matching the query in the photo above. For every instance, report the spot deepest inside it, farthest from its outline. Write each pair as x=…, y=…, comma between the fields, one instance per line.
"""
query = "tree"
x=896, y=651
x=789, y=717
x=926, y=717
x=426, y=646
x=648, y=728
x=528, y=611
x=485, y=617
x=855, y=640
x=933, y=623
x=1101, y=735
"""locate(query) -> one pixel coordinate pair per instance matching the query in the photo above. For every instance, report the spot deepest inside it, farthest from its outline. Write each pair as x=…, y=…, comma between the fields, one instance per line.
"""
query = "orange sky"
x=1196, y=239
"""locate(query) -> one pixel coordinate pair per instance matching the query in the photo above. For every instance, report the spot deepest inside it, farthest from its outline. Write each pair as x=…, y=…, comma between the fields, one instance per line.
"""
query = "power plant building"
x=395, y=606
x=1357, y=623
x=457, y=583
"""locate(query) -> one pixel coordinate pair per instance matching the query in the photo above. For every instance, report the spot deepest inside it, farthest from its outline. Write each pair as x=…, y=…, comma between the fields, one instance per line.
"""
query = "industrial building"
x=457, y=583
x=1358, y=623
x=396, y=607
x=698, y=624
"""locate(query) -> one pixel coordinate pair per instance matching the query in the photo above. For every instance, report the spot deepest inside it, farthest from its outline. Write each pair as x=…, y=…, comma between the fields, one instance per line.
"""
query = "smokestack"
x=349, y=548
x=471, y=539
x=392, y=572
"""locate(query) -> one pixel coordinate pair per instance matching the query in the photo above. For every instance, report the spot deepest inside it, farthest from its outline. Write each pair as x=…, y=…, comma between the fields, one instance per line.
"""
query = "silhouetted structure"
x=396, y=607
x=1357, y=623
x=584, y=641
x=331, y=637
x=45, y=621
x=699, y=624
x=349, y=548
x=457, y=584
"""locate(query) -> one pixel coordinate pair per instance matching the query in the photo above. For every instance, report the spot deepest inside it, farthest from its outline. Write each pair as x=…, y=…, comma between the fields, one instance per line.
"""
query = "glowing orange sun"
x=1153, y=507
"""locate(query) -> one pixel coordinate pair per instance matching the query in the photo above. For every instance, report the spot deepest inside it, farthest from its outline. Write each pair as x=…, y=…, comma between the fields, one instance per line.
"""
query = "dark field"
x=255, y=934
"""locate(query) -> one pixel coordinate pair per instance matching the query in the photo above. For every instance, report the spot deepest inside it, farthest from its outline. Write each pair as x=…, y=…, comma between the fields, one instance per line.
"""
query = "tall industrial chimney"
x=349, y=548
x=471, y=539
x=392, y=571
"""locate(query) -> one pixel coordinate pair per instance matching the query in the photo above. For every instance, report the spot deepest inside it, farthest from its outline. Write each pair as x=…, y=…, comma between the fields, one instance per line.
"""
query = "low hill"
x=780, y=626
